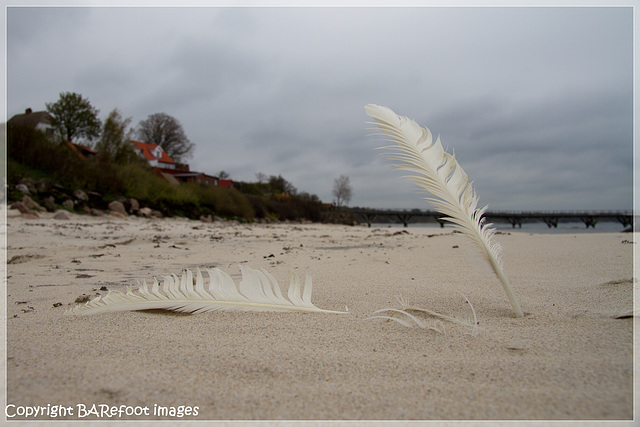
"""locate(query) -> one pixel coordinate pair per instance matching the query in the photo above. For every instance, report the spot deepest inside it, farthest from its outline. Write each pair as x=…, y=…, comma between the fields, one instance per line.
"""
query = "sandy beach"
x=570, y=358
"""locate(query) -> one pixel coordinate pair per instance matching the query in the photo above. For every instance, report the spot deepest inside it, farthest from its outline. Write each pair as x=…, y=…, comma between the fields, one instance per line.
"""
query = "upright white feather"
x=258, y=291
x=439, y=174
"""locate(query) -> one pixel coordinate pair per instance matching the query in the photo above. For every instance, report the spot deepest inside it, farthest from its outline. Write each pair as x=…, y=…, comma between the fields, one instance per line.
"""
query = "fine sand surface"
x=568, y=359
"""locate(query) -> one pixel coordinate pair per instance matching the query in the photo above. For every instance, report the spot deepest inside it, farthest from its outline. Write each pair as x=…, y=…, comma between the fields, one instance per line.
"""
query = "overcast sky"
x=535, y=101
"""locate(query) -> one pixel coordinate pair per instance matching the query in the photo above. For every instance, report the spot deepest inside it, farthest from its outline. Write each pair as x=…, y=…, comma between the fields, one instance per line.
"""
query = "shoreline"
x=534, y=227
x=569, y=358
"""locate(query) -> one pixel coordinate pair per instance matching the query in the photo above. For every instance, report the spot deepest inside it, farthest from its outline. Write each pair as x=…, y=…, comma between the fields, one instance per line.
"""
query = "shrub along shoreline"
x=52, y=172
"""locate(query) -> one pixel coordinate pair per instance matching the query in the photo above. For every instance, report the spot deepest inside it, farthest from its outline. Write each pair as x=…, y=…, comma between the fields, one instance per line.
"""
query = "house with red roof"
x=154, y=154
x=82, y=151
x=164, y=165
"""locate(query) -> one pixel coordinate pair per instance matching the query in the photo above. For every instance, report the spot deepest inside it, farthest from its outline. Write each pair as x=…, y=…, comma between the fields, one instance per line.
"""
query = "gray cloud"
x=536, y=102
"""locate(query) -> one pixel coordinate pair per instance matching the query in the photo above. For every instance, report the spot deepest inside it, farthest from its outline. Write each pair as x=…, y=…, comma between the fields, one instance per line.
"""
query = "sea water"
x=538, y=227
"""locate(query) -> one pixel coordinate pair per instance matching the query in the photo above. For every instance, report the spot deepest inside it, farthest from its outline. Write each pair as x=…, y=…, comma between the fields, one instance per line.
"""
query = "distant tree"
x=278, y=184
x=115, y=141
x=262, y=177
x=223, y=175
x=342, y=190
x=167, y=132
x=306, y=197
x=74, y=119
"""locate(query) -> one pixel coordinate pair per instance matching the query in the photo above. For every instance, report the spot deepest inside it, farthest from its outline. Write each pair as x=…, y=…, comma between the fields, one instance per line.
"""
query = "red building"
x=163, y=164
x=154, y=154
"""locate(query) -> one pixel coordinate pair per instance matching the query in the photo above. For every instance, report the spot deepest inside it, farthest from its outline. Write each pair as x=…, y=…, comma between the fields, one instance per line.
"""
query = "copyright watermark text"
x=99, y=410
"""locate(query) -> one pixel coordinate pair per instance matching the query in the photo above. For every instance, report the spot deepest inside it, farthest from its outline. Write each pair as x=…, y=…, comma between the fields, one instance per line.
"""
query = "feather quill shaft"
x=257, y=291
x=439, y=175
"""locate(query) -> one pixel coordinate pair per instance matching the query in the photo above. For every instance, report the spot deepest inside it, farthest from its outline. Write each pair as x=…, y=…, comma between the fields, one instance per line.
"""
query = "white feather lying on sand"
x=257, y=291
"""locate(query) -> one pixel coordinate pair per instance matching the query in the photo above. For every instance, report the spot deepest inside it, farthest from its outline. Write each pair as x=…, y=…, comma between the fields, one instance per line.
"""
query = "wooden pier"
x=515, y=218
